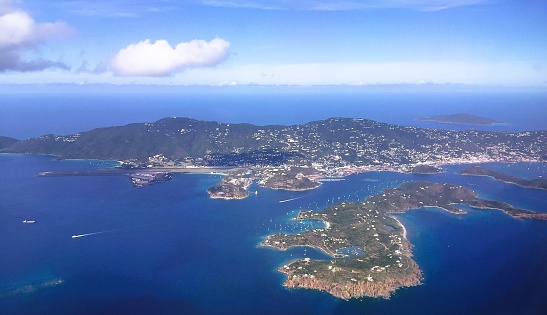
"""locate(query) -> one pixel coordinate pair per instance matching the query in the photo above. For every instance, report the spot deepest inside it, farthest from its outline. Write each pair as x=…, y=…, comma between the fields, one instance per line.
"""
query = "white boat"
x=29, y=221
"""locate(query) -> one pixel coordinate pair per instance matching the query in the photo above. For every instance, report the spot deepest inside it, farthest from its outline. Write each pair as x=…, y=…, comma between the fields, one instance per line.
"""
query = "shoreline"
x=505, y=181
x=340, y=172
x=402, y=226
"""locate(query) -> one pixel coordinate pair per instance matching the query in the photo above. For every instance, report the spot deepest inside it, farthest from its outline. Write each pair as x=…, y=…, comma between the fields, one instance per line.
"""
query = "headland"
x=384, y=261
x=539, y=183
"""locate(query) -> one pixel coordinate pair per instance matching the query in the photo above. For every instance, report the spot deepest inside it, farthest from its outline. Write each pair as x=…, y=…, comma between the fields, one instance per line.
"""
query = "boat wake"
x=287, y=200
x=87, y=234
x=103, y=232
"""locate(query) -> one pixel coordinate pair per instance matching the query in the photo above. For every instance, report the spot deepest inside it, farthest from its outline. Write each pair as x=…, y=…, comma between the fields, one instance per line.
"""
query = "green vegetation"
x=335, y=142
x=7, y=141
x=540, y=183
x=233, y=186
x=425, y=169
x=383, y=262
x=294, y=178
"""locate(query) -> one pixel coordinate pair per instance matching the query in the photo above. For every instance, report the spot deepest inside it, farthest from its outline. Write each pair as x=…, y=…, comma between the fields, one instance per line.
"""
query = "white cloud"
x=16, y=28
x=161, y=59
x=20, y=34
x=343, y=5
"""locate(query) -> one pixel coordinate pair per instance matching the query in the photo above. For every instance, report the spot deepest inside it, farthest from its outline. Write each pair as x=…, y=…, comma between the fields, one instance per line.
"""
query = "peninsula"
x=539, y=183
x=371, y=255
x=465, y=119
x=139, y=176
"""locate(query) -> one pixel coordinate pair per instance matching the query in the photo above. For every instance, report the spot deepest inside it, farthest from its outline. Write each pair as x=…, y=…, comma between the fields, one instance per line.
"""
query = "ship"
x=29, y=221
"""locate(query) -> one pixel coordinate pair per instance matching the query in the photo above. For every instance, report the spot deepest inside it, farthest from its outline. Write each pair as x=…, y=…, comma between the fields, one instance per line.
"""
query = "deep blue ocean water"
x=169, y=249
x=25, y=115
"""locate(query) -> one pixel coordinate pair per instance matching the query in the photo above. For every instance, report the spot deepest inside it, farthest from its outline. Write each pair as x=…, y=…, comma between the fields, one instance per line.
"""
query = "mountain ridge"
x=7, y=142
x=335, y=141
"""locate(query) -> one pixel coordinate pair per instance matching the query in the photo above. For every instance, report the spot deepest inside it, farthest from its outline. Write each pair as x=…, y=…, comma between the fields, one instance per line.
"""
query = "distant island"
x=466, y=119
x=7, y=141
x=376, y=256
x=539, y=183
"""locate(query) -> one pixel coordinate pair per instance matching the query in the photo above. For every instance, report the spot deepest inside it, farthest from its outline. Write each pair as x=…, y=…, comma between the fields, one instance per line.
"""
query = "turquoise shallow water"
x=169, y=249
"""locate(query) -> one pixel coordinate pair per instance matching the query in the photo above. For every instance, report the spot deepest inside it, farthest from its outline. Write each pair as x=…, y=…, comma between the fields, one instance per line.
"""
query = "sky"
x=274, y=42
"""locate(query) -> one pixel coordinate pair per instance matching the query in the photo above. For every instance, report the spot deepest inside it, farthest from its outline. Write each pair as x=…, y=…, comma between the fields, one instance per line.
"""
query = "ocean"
x=170, y=249
x=26, y=115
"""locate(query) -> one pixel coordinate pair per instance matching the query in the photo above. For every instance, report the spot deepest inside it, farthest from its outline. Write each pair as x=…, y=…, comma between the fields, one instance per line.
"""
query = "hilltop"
x=6, y=142
x=327, y=144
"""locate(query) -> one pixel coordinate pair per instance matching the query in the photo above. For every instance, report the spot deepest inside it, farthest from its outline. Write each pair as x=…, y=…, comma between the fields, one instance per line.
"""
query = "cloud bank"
x=161, y=59
x=21, y=35
x=439, y=72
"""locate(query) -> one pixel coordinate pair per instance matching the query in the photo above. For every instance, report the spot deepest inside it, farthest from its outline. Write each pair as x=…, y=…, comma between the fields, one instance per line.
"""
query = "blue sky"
x=274, y=42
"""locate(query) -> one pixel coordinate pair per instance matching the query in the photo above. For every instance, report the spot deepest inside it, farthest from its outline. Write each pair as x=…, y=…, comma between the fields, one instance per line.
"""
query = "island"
x=462, y=118
x=296, y=157
x=233, y=186
x=292, y=178
x=425, y=169
x=370, y=253
x=538, y=183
